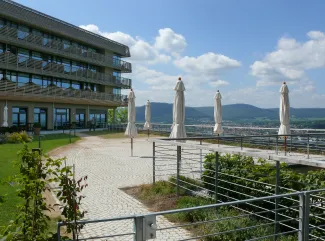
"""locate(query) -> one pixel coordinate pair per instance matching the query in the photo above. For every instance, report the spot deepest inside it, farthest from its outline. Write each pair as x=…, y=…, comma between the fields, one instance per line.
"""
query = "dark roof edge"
x=63, y=22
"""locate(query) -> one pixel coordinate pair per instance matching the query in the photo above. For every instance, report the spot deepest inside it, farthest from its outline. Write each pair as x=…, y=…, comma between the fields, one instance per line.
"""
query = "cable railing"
x=67, y=50
x=40, y=67
x=8, y=88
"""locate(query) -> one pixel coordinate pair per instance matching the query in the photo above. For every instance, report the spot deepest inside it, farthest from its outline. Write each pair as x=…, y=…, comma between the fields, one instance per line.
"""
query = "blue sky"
x=244, y=48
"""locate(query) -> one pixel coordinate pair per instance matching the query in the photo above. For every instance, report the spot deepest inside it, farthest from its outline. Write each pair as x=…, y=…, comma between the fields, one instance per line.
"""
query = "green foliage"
x=37, y=171
x=240, y=178
x=31, y=221
x=71, y=198
x=37, y=125
x=19, y=137
x=121, y=115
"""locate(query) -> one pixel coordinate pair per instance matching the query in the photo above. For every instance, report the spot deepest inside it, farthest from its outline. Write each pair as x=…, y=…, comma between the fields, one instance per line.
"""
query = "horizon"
x=279, y=41
x=154, y=102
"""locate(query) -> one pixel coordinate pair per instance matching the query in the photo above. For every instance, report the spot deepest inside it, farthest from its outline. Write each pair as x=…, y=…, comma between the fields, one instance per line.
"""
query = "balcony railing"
x=8, y=88
x=40, y=67
x=67, y=50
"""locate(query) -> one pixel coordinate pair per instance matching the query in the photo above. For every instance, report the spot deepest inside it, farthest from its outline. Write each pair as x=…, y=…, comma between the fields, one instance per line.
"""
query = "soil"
x=167, y=202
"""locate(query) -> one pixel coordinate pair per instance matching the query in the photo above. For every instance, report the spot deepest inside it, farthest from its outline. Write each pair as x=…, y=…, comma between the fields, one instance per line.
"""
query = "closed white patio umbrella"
x=284, y=113
x=178, y=127
x=131, y=129
x=5, y=116
x=217, y=114
x=147, y=124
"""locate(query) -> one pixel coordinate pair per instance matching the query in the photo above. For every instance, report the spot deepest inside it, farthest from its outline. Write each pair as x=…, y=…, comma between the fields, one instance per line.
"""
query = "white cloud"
x=219, y=83
x=170, y=41
x=209, y=63
x=141, y=51
x=290, y=60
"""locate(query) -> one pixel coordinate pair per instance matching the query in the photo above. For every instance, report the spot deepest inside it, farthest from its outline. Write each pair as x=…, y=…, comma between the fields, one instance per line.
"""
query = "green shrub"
x=237, y=180
x=18, y=137
x=37, y=125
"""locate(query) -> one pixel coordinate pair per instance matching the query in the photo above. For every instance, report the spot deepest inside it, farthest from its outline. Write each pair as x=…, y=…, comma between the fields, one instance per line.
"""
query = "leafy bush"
x=225, y=225
x=19, y=137
x=240, y=178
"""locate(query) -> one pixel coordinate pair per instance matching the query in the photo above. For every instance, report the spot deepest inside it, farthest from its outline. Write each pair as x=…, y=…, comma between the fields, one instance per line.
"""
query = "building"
x=55, y=73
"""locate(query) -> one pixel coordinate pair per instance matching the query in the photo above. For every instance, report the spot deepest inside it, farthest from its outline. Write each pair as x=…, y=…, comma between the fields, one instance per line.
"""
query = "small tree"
x=122, y=115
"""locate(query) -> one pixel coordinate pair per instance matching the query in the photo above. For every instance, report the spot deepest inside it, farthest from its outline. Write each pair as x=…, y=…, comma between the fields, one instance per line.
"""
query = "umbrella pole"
x=285, y=145
x=148, y=133
x=218, y=140
x=131, y=146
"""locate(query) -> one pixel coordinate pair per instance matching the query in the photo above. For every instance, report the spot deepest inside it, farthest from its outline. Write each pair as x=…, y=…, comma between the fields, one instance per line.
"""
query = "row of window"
x=23, y=31
x=61, y=117
x=25, y=54
x=22, y=78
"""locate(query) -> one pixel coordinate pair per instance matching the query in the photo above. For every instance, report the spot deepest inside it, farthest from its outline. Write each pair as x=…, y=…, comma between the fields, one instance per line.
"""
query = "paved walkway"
x=108, y=164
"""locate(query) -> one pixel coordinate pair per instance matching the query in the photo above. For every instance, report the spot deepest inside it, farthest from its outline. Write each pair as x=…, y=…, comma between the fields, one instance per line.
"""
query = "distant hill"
x=163, y=112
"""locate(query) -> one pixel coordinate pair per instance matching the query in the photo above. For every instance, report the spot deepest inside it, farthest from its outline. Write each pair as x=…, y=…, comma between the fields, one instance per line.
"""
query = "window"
x=2, y=47
x=37, y=55
x=23, y=32
x=74, y=67
x=93, y=87
x=66, y=44
x=116, y=60
x=65, y=84
x=1, y=75
x=12, y=76
x=23, y=55
x=117, y=91
x=76, y=85
x=66, y=65
x=22, y=79
x=2, y=23
x=92, y=68
x=12, y=49
x=46, y=82
x=46, y=40
x=37, y=79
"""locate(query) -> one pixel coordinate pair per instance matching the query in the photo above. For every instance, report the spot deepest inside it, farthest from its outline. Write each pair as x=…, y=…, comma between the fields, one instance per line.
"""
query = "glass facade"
x=19, y=116
x=40, y=116
x=46, y=38
x=61, y=117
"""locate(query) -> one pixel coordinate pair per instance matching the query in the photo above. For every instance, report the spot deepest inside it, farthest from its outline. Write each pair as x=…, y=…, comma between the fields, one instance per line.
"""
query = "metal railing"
x=8, y=88
x=307, y=141
x=67, y=50
x=150, y=226
x=40, y=67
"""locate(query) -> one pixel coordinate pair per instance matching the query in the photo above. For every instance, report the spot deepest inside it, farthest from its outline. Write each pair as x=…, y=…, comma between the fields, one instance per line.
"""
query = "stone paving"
x=109, y=166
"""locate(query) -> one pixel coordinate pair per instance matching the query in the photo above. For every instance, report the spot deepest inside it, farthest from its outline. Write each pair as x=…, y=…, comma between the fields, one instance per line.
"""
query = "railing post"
x=290, y=143
x=138, y=228
x=308, y=146
x=276, y=202
x=216, y=177
x=154, y=162
x=277, y=144
x=201, y=161
x=58, y=232
x=241, y=143
x=302, y=208
x=179, y=158
x=306, y=216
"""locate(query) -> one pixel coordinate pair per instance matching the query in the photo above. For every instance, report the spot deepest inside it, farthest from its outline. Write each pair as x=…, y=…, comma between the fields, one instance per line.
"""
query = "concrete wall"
x=88, y=109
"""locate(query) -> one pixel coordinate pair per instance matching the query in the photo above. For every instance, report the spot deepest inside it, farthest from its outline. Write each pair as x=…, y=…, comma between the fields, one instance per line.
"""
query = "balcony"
x=33, y=92
x=39, y=43
x=23, y=64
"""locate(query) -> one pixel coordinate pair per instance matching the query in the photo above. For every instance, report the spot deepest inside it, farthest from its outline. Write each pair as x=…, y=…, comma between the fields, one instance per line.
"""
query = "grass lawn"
x=108, y=134
x=8, y=153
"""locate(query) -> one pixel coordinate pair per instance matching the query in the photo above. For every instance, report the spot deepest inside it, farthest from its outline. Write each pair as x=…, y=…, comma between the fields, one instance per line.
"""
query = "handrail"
x=49, y=68
x=30, y=89
x=72, y=50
